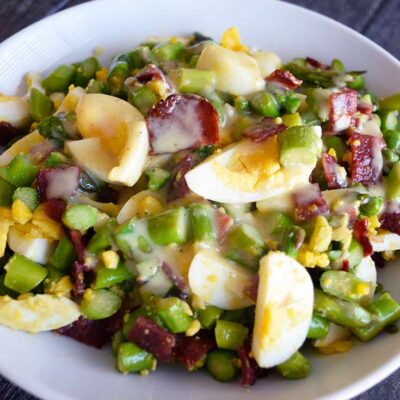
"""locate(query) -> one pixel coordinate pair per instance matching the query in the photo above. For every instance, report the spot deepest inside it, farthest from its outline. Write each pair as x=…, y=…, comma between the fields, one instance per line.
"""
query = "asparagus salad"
x=202, y=204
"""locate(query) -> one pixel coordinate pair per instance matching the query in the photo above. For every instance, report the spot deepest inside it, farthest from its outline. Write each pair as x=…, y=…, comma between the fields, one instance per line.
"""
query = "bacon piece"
x=367, y=160
x=91, y=333
x=346, y=265
x=365, y=108
x=332, y=173
x=177, y=186
x=309, y=203
x=342, y=108
x=251, y=290
x=54, y=208
x=224, y=222
x=58, y=183
x=248, y=365
x=78, y=278
x=263, y=130
x=182, y=122
x=152, y=338
x=360, y=231
x=176, y=279
x=390, y=221
x=79, y=244
x=150, y=73
x=191, y=350
x=7, y=132
x=285, y=79
x=315, y=63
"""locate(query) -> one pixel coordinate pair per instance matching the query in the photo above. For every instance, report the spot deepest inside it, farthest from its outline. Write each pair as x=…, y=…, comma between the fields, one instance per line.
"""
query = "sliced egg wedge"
x=36, y=249
x=218, y=281
x=41, y=312
x=245, y=172
x=14, y=110
x=115, y=139
x=236, y=72
x=23, y=145
x=385, y=242
x=283, y=309
x=366, y=271
x=268, y=62
x=335, y=333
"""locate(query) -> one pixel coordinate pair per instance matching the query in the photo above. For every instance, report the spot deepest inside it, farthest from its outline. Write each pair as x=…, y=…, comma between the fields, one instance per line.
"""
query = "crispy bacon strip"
x=360, y=231
x=263, y=130
x=285, y=79
x=248, y=365
x=309, y=203
x=342, y=108
x=331, y=172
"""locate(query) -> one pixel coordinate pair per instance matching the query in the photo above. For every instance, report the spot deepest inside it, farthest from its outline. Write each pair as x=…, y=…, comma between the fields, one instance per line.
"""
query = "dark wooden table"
x=377, y=19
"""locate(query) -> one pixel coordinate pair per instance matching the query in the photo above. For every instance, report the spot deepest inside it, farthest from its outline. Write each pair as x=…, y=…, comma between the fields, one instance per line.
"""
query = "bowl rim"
x=39, y=389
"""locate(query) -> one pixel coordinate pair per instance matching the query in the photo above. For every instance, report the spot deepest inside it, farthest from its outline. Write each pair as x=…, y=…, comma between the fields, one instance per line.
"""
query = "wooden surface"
x=377, y=19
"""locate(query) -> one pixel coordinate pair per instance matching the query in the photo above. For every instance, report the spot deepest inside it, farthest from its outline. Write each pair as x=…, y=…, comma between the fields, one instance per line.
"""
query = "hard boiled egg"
x=38, y=313
x=268, y=62
x=246, y=172
x=116, y=141
x=283, y=309
x=236, y=72
x=36, y=249
x=218, y=281
x=385, y=242
x=14, y=110
x=366, y=271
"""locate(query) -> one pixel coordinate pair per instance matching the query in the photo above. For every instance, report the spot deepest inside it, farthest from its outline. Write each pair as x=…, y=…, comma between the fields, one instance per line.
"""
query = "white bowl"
x=57, y=368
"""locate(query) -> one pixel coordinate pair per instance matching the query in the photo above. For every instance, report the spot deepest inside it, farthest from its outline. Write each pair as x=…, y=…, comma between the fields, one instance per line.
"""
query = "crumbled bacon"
x=360, y=231
x=192, y=350
x=285, y=79
x=39, y=152
x=54, y=208
x=315, y=63
x=345, y=265
x=182, y=122
x=365, y=108
x=78, y=243
x=263, y=130
x=152, y=338
x=342, y=108
x=176, y=279
x=367, y=160
x=150, y=73
x=91, y=333
x=7, y=132
x=78, y=278
x=332, y=172
x=224, y=222
x=177, y=186
x=390, y=221
x=309, y=203
x=248, y=365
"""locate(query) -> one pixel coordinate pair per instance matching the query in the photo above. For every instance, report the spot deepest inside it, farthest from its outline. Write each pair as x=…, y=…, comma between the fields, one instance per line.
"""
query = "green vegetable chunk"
x=39, y=105
x=385, y=311
x=28, y=195
x=171, y=226
x=230, y=335
x=346, y=286
x=101, y=239
x=319, y=327
x=357, y=83
x=86, y=71
x=390, y=156
x=290, y=102
x=356, y=253
x=99, y=304
x=167, y=52
x=6, y=193
x=372, y=206
x=392, y=139
x=291, y=239
x=194, y=81
x=80, y=217
x=132, y=358
x=221, y=365
x=209, y=315
x=389, y=122
x=174, y=313
x=64, y=254
x=299, y=145
x=59, y=79
x=265, y=104
x=335, y=143
x=106, y=277
x=116, y=341
x=202, y=222
x=142, y=98
x=23, y=274
x=20, y=172
x=280, y=222
x=391, y=103
x=339, y=311
x=158, y=178
x=393, y=182
x=297, y=367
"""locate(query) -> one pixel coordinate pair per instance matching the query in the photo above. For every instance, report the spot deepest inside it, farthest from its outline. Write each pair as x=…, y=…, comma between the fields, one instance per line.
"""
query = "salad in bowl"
x=202, y=204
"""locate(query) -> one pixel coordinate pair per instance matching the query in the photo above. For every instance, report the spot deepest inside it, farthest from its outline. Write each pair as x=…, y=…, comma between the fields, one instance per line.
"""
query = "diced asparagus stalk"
x=101, y=240
x=385, y=311
x=28, y=195
x=293, y=238
x=22, y=274
x=6, y=193
x=167, y=52
x=245, y=245
x=59, y=79
x=335, y=143
x=392, y=138
x=356, y=253
x=265, y=104
x=393, y=182
x=340, y=311
x=299, y=145
x=20, y=172
x=158, y=178
x=119, y=71
x=169, y=227
x=221, y=365
x=237, y=211
x=99, y=304
x=292, y=119
x=391, y=103
x=64, y=254
x=143, y=98
x=290, y=102
x=372, y=206
x=39, y=105
x=209, y=316
x=230, y=335
x=202, y=222
x=347, y=286
x=318, y=101
x=106, y=277
x=86, y=71
x=139, y=57
x=297, y=367
x=174, y=313
x=158, y=285
x=80, y=217
x=193, y=80
x=280, y=222
x=147, y=269
x=131, y=358
x=319, y=327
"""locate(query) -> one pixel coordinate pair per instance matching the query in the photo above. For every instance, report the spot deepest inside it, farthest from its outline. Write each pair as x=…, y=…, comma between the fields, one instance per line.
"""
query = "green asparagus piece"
x=167, y=52
x=139, y=57
x=221, y=365
x=393, y=183
x=392, y=139
x=290, y=102
x=174, y=313
x=292, y=239
x=39, y=105
x=389, y=121
x=202, y=222
x=106, y=277
x=6, y=193
x=356, y=253
x=390, y=156
x=357, y=83
x=86, y=71
x=158, y=178
x=99, y=304
x=391, y=103
x=265, y=104
x=101, y=239
x=280, y=222
x=208, y=316
x=297, y=367
x=28, y=195
x=194, y=81
x=64, y=254
x=230, y=335
x=131, y=358
x=20, y=172
x=80, y=217
x=335, y=143
x=319, y=327
x=59, y=79
x=142, y=98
